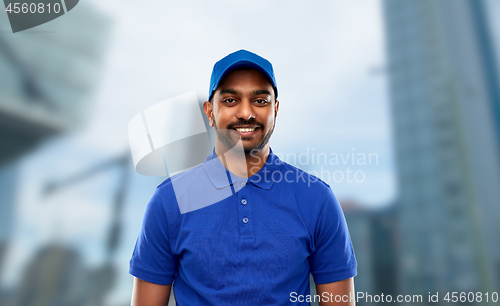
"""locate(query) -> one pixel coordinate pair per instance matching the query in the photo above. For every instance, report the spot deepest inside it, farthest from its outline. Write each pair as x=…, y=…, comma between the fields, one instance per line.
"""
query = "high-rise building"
x=445, y=104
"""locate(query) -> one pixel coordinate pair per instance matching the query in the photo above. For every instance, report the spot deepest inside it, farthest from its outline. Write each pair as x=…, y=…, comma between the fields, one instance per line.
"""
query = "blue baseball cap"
x=241, y=59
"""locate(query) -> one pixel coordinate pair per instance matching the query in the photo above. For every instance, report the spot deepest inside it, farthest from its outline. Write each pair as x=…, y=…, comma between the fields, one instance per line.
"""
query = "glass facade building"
x=445, y=109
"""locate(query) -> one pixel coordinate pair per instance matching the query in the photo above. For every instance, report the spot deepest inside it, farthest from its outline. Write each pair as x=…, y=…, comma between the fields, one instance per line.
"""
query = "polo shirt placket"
x=245, y=224
x=242, y=189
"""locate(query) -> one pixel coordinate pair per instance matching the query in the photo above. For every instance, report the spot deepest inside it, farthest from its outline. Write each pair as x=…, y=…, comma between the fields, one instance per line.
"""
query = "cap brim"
x=243, y=64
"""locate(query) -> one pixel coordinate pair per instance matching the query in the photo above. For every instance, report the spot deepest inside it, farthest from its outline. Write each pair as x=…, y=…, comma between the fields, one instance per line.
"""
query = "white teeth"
x=245, y=130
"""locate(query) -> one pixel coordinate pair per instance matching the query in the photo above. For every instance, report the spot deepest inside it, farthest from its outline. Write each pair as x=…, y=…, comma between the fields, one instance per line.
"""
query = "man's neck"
x=242, y=165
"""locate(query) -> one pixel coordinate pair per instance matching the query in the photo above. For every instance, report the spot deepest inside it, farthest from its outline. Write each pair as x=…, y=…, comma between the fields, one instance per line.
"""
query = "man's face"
x=244, y=103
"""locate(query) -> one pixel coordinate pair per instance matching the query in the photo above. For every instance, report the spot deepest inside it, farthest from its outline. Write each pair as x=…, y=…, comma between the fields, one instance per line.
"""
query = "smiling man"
x=274, y=226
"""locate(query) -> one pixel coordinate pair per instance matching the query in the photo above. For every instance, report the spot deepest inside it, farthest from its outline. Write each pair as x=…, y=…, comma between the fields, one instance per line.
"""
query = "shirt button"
x=243, y=184
x=245, y=220
x=244, y=202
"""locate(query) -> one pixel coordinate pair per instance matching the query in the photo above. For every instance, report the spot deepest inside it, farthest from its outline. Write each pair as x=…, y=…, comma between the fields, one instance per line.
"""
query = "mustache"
x=244, y=122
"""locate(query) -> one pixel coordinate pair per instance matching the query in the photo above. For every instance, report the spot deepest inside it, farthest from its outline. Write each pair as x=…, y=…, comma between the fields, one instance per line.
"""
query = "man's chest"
x=245, y=237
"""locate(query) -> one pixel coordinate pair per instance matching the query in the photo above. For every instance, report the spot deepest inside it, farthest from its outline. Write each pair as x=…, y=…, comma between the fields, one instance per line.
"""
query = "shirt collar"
x=221, y=177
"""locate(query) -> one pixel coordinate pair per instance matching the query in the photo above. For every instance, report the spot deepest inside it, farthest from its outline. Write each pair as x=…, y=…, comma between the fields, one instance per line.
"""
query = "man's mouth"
x=246, y=130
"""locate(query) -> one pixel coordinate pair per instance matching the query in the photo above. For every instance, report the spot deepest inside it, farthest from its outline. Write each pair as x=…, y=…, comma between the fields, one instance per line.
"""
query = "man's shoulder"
x=302, y=178
x=310, y=193
x=192, y=189
x=306, y=186
x=166, y=188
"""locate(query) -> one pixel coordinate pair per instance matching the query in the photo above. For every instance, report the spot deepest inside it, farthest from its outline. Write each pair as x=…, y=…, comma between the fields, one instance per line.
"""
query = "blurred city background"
x=414, y=84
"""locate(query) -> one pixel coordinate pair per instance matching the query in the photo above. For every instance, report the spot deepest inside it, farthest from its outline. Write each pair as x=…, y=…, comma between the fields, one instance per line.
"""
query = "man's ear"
x=276, y=107
x=208, y=110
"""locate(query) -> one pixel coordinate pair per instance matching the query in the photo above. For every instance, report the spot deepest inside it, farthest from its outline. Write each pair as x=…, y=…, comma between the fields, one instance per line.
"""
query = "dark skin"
x=148, y=294
x=243, y=101
x=343, y=288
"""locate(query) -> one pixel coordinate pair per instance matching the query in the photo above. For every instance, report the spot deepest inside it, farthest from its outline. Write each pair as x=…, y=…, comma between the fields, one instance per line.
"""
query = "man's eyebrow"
x=261, y=92
x=229, y=91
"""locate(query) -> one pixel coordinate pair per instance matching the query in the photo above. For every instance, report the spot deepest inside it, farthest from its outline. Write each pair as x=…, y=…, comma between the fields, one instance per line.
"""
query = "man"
x=274, y=225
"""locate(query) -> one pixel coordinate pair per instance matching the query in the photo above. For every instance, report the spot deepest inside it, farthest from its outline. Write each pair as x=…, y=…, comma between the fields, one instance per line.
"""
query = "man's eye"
x=229, y=100
x=261, y=101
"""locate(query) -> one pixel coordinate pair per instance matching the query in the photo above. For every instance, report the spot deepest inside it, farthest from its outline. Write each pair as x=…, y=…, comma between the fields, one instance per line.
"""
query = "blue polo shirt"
x=254, y=241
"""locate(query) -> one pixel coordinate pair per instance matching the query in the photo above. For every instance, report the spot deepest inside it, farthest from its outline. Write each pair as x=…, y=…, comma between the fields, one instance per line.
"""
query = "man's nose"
x=245, y=110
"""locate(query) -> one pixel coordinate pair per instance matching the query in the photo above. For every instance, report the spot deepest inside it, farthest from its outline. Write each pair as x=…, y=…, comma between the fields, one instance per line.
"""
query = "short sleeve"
x=152, y=259
x=333, y=258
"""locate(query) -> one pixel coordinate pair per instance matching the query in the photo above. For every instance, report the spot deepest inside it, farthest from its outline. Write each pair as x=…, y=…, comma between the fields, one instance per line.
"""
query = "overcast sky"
x=324, y=56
